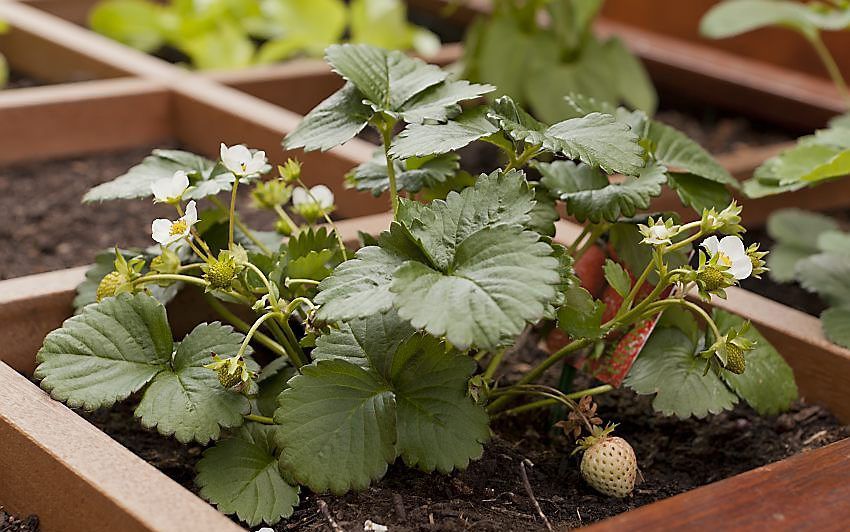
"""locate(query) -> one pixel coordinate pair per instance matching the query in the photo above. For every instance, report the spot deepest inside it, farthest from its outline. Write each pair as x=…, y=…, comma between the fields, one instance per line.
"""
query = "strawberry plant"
x=812, y=250
x=352, y=361
x=225, y=33
x=818, y=158
x=525, y=59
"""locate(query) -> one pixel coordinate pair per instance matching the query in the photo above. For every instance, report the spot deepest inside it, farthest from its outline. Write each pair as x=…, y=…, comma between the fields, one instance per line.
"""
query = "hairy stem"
x=244, y=326
x=831, y=67
x=387, y=137
x=259, y=419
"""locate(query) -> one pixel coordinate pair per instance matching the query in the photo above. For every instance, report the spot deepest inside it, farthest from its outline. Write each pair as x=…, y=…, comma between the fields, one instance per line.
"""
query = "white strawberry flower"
x=167, y=232
x=170, y=189
x=730, y=252
x=239, y=160
x=319, y=195
x=658, y=232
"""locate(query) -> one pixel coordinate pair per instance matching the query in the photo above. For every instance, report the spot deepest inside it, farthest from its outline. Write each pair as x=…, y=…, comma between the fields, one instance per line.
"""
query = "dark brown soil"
x=10, y=522
x=21, y=81
x=674, y=456
x=51, y=229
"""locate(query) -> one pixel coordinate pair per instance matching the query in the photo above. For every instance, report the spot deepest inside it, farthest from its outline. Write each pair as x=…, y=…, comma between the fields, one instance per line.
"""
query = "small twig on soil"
x=815, y=436
x=530, y=493
x=323, y=506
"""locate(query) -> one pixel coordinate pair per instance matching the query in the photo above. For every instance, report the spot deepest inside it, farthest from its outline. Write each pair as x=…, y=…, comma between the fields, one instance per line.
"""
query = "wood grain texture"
x=76, y=478
x=79, y=118
x=808, y=491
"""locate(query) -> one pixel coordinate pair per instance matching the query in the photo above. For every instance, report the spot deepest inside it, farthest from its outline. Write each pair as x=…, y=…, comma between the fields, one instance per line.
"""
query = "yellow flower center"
x=178, y=228
x=724, y=259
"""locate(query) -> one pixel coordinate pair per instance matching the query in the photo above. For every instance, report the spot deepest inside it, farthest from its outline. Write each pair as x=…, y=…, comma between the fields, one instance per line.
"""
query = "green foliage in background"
x=216, y=34
x=538, y=65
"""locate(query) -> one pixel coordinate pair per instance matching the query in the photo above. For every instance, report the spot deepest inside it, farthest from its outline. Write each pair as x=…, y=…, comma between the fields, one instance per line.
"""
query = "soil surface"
x=10, y=522
x=52, y=230
x=674, y=456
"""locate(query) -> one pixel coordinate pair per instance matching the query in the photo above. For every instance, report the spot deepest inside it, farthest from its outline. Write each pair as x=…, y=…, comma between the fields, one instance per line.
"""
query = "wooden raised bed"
x=55, y=458
x=77, y=478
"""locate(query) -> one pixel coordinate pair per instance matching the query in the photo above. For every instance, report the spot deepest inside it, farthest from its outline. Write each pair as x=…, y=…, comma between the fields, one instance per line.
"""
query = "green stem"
x=253, y=330
x=266, y=282
x=170, y=277
x=244, y=327
x=242, y=227
x=536, y=372
x=386, y=135
x=547, y=402
x=571, y=249
x=831, y=67
x=294, y=305
x=300, y=356
x=232, y=213
x=259, y=419
x=293, y=227
x=527, y=154
x=293, y=281
x=493, y=365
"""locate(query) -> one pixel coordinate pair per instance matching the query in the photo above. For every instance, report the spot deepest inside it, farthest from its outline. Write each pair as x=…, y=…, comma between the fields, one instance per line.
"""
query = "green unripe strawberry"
x=108, y=286
x=609, y=466
x=227, y=379
x=712, y=279
x=735, y=361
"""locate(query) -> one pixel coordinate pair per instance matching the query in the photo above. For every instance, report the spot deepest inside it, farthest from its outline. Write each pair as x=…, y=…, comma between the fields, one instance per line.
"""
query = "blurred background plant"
x=527, y=48
x=817, y=158
x=215, y=34
x=4, y=66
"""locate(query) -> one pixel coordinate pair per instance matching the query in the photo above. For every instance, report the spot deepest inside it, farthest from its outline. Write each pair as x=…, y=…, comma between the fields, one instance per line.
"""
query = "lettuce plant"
x=812, y=250
x=818, y=158
x=352, y=361
x=525, y=59
x=224, y=33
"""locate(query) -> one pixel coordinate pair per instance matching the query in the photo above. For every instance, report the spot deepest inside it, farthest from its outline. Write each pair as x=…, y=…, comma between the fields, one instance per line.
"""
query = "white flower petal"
x=741, y=268
x=733, y=247
x=191, y=216
x=161, y=230
x=300, y=196
x=323, y=196
x=711, y=244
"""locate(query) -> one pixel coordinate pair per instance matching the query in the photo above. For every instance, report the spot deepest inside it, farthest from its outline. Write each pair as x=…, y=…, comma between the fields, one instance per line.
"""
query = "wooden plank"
x=74, y=477
x=35, y=54
x=808, y=491
x=76, y=11
x=821, y=368
x=78, y=118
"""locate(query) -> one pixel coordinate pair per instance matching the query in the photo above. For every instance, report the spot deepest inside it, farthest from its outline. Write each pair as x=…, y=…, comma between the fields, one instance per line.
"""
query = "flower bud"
x=291, y=171
x=271, y=194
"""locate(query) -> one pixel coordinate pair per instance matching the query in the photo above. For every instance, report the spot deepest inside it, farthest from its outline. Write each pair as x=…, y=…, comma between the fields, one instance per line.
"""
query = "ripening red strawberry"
x=589, y=270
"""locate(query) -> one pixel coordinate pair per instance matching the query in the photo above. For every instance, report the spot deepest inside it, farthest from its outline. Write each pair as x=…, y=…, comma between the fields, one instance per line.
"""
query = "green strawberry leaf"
x=699, y=193
x=185, y=398
x=441, y=102
x=669, y=368
x=500, y=278
x=673, y=149
x=580, y=315
x=360, y=286
x=567, y=177
x=796, y=233
x=728, y=19
x=596, y=139
x=412, y=174
x=617, y=277
x=799, y=228
x=827, y=275
x=240, y=475
x=768, y=383
x=109, y=351
x=333, y=122
x=160, y=164
x=336, y=427
x=617, y=200
x=378, y=391
x=420, y=140
x=387, y=79
x=836, y=325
